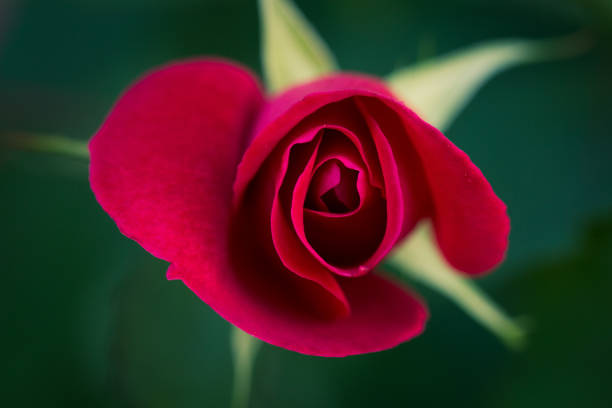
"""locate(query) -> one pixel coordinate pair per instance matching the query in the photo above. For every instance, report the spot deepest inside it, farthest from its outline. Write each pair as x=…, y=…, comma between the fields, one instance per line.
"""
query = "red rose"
x=275, y=211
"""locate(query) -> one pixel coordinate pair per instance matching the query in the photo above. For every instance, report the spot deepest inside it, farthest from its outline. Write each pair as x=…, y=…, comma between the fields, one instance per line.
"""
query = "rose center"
x=333, y=188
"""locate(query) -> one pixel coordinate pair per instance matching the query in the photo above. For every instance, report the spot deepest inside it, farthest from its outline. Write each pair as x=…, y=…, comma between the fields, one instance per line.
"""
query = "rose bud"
x=275, y=211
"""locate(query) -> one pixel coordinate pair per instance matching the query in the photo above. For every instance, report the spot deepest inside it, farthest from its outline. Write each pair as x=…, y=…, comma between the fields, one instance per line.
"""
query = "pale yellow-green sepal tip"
x=419, y=258
x=438, y=89
x=292, y=51
x=244, y=350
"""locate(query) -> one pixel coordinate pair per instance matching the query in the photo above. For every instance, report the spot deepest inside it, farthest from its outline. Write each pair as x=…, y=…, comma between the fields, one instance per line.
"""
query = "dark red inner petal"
x=333, y=189
x=347, y=242
x=345, y=237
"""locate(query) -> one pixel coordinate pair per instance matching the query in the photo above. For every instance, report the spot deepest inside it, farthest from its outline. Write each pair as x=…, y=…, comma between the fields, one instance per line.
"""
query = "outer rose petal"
x=162, y=166
x=470, y=221
x=163, y=162
x=382, y=316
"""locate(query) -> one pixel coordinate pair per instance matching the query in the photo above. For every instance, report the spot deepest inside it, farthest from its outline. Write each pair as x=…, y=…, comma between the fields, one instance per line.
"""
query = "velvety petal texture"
x=276, y=212
x=163, y=162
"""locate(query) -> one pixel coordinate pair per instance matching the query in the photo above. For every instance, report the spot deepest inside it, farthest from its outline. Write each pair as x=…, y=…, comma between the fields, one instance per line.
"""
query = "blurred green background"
x=88, y=318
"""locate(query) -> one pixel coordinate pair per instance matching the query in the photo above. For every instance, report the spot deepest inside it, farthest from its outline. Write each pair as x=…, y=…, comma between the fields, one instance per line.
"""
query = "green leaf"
x=420, y=259
x=244, y=351
x=439, y=89
x=292, y=51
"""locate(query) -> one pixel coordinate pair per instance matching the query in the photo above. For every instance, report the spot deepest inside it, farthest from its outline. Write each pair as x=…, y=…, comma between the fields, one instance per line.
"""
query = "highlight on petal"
x=292, y=51
x=439, y=89
x=420, y=259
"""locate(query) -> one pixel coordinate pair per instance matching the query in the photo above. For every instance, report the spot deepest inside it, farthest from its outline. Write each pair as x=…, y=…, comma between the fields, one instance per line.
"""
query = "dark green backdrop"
x=88, y=318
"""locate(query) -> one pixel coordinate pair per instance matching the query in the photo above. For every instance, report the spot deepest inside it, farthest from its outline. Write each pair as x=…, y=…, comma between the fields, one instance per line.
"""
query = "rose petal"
x=163, y=162
x=470, y=221
x=333, y=188
x=382, y=316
